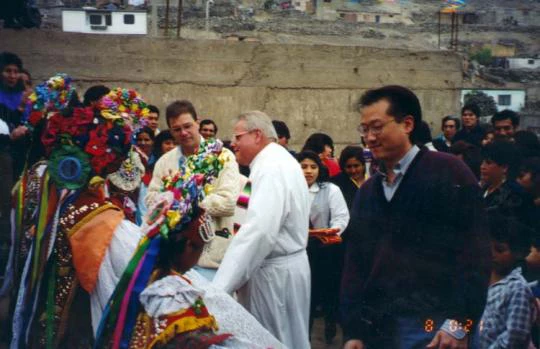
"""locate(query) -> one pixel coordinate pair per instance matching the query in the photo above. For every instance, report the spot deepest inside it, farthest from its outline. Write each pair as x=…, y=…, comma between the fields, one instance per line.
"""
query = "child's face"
x=502, y=257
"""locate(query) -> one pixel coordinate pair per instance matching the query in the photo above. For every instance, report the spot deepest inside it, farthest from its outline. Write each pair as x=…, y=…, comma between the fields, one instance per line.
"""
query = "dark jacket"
x=511, y=200
x=440, y=145
x=473, y=136
x=422, y=254
x=348, y=188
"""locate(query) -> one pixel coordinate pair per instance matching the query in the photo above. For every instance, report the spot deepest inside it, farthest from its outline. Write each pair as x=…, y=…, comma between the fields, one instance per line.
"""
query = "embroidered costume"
x=66, y=228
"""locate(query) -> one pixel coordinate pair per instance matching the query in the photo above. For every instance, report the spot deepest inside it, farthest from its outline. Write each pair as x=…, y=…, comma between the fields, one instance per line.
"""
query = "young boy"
x=510, y=311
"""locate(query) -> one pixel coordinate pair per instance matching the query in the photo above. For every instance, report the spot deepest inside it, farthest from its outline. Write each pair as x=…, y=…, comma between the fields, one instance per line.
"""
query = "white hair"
x=257, y=120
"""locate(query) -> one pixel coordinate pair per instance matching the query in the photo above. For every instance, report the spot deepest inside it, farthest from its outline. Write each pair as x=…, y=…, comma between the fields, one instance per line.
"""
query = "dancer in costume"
x=156, y=304
x=79, y=242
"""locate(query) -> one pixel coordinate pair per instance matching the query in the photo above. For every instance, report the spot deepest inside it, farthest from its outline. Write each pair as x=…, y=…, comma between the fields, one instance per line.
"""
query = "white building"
x=505, y=99
x=523, y=63
x=93, y=21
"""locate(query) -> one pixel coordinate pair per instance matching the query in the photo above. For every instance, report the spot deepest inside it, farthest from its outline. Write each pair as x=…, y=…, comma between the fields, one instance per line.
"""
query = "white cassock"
x=266, y=260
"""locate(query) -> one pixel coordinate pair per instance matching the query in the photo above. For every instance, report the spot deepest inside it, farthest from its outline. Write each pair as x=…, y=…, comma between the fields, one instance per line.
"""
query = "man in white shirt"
x=267, y=261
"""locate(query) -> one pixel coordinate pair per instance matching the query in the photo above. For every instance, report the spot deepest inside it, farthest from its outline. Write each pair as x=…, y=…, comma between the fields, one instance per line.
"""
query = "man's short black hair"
x=317, y=141
x=403, y=102
x=153, y=109
x=506, y=114
x=8, y=58
x=451, y=118
x=501, y=152
x=178, y=108
x=208, y=122
x=472, y=108
x=511, y=231
x=281, y=129
x=94, y=94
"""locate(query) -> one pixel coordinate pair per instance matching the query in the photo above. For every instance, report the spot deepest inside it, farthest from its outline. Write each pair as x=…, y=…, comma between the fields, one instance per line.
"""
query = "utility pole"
x=179, y=17
x=207, y=22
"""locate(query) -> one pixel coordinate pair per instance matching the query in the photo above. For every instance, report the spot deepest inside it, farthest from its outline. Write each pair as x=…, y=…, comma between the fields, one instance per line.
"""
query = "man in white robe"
x=267, y=261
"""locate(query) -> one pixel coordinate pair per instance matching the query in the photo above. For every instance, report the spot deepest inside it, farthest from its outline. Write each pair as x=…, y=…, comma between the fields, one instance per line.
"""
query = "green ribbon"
x=42, y=224
x=50, y=306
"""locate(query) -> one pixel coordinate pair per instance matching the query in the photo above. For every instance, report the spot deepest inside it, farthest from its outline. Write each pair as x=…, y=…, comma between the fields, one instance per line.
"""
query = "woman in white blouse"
x=328, y=210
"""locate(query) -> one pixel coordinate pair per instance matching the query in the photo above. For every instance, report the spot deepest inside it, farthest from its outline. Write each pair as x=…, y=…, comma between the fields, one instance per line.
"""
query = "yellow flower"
x=107, y=114
x=33, y=97
x=224, y=157
x=208, y=188
x=173, y=217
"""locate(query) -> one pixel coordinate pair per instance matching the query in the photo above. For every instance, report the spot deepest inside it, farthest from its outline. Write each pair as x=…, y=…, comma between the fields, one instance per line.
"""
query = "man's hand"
x=354, y=344
x=443, y=340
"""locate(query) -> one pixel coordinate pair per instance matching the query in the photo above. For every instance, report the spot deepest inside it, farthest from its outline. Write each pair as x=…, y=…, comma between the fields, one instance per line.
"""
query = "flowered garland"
x=192, y=183
x=49, y=96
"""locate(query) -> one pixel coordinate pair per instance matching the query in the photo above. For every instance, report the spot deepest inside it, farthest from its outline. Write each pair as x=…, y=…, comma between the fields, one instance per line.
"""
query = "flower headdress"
x=105, y=140
x=50, y=96
x=126, y=105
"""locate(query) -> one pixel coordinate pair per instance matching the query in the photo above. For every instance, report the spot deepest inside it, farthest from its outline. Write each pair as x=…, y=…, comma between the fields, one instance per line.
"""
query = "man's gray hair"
x=257, y=120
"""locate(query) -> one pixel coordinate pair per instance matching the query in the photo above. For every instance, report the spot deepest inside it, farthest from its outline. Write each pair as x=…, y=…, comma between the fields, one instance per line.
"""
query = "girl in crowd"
x=163, y=142
x=328, y=210
x=144, y=139
x=322, y=144
x=353, y=172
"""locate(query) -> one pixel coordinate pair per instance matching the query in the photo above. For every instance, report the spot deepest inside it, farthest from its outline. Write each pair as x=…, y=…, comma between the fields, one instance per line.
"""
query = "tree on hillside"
x=486, y=103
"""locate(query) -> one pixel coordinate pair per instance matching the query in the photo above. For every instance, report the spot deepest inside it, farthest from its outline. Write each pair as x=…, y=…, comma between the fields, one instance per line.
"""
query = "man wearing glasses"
x=416, y=264
x=221, y=202
x=267, y=261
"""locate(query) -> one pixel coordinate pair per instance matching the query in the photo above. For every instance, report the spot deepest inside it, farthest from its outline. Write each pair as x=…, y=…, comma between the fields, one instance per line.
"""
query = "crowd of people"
x=116, y=233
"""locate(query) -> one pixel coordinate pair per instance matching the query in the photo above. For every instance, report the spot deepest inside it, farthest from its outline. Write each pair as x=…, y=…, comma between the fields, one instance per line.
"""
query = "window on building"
x=327, y=0
x=377, y=19
x=129, y=19
x=530, y=61
x=108, y=20
x=95, y=19
x=504, y=100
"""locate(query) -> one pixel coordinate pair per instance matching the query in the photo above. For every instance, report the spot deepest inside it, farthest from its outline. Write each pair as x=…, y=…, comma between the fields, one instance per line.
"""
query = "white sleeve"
x=258, y=235
x=339, y=213
x=222, y=201
x=123, y=244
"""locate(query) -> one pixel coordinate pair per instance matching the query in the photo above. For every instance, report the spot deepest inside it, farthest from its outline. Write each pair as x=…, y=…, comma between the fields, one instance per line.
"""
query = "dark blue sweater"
x=422, y=254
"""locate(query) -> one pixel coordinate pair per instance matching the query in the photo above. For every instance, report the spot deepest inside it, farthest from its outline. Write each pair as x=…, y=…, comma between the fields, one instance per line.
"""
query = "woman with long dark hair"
x=328, y=210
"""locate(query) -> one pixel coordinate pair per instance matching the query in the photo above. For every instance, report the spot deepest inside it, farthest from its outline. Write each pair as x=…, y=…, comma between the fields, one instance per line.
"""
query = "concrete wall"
x=312, y=88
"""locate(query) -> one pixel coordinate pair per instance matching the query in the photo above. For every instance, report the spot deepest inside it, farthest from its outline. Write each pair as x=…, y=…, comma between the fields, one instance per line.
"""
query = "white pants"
x=278, y=296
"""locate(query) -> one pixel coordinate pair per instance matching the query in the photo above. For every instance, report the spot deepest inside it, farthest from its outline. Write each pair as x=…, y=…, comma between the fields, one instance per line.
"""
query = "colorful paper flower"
x=50, y=96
